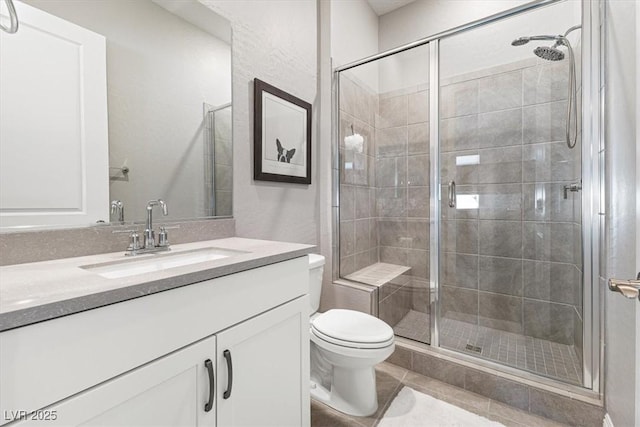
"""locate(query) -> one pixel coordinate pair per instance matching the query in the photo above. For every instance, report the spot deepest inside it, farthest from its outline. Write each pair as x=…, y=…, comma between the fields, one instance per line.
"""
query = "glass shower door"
x=384, y=186
x=510, y=253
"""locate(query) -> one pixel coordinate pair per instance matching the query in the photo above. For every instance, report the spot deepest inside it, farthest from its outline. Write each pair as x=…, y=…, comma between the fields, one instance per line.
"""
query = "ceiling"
x=380, y=7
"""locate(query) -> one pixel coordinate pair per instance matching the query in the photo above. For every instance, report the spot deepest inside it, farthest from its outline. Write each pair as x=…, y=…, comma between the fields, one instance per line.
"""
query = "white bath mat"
x=411, y=408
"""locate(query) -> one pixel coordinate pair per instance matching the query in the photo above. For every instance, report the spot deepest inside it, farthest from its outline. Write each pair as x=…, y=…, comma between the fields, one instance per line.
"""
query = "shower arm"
x=541, y=37
x=13, y=17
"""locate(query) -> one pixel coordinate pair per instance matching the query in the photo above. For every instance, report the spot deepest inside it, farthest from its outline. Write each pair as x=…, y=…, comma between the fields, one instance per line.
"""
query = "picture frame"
x=281, y=136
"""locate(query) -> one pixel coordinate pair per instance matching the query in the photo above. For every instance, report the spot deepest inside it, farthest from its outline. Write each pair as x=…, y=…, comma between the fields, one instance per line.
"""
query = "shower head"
x=520, y=41
x=550, y=53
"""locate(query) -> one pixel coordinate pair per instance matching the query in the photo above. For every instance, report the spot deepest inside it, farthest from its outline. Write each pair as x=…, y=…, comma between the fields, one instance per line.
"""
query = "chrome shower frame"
x=592, y=194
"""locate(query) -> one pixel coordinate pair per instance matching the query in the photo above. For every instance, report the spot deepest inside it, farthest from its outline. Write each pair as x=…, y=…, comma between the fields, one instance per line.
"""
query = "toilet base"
x=360, y=401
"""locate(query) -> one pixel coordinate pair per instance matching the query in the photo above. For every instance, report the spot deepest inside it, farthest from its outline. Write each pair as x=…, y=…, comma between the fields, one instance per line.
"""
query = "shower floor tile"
x=415, y=326
x=532, y=354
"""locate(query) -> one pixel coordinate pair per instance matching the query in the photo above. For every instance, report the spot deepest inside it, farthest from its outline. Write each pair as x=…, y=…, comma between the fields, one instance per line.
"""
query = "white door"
x=53, y=122
x=171, y=391
x=622, y=108
x=263, y=369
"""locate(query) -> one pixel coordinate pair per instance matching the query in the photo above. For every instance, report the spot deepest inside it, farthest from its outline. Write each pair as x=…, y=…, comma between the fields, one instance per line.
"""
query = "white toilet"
x=345, y=347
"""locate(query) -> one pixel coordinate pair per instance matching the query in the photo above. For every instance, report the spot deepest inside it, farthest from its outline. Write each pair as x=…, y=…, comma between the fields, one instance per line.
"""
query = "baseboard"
x=606, y=422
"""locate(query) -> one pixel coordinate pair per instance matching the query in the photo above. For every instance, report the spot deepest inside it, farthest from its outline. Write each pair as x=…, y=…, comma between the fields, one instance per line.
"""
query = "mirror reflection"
x=162, y=109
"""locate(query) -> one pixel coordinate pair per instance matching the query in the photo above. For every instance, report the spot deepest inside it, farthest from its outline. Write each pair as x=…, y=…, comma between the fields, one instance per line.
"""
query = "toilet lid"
x=352, y=326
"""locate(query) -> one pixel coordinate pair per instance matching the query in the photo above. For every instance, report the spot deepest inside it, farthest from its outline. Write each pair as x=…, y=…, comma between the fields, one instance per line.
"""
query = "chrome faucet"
x=148, y=245
x=149, y=235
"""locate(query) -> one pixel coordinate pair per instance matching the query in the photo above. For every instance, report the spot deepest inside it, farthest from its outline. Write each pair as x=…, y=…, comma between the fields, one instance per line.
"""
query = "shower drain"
x=473, y=348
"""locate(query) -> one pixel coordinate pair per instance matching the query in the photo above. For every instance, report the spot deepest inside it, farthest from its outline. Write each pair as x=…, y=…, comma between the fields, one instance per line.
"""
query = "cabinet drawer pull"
x=227, y=356
x=212, y=385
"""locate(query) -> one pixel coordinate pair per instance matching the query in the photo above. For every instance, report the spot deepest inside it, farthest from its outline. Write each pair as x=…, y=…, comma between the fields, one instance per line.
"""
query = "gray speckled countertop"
x=39, y=291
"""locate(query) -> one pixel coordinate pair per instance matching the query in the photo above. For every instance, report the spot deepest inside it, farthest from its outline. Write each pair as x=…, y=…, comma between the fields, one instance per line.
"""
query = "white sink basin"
x=152, y=263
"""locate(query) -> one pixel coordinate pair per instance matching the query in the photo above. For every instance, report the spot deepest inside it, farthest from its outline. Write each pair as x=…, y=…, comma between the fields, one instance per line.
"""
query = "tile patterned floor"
x=540, y=356
x=391, y=378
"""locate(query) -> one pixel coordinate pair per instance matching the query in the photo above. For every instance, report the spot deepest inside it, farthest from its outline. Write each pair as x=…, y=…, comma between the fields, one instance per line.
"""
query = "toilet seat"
x=349, y=344
x=352, y=329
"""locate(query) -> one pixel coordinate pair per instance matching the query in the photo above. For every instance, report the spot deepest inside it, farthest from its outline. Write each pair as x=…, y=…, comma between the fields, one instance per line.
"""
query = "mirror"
x=168, y=103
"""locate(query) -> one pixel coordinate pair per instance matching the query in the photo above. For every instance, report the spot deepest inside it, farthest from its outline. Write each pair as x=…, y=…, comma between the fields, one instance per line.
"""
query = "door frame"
x=593, y=197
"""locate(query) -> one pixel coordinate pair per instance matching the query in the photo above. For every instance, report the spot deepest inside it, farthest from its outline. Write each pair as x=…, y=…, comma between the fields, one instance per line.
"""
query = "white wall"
x=354, y=31
x=621, y=146
x=160, y=70
x=404, y=70
x=490, y=45
x=275, y=41
x=354, y=35
x=481, y=48
x=423, y=18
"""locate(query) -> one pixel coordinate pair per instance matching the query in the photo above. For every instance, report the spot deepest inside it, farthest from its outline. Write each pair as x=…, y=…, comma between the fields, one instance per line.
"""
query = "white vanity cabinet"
x=170, y=391
x=145, y=362
x=260, y=364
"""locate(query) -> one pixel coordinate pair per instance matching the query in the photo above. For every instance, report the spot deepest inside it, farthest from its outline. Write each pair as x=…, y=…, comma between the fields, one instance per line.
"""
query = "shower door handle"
x=452, y=194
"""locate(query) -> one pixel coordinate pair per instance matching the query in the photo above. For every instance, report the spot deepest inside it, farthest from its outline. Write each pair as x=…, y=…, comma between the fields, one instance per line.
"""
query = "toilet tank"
x=316, y=267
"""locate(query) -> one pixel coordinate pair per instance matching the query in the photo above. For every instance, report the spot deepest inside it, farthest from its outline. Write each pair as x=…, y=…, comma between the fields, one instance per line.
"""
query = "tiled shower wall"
x=514, y=261
x=402, y=197
x=223, y=162
x=384, y=191
x=358, y=230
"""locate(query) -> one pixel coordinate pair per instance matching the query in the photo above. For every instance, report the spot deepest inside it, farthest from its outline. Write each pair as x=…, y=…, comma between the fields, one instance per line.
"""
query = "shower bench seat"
x=379, y=274
x=395, y=290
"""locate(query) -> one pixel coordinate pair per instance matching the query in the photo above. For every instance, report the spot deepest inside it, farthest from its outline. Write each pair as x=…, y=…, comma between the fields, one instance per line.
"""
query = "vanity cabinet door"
x=263, y=369
x=171, y=391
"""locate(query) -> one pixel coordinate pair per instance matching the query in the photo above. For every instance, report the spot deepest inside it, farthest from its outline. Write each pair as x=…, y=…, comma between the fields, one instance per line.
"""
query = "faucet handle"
x=163, y=237
x=134, y=239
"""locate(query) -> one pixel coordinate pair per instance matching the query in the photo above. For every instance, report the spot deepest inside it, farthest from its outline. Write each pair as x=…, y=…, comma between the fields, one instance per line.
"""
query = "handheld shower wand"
x=552, y=53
